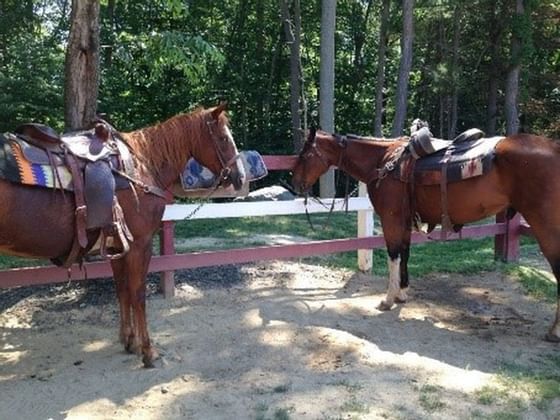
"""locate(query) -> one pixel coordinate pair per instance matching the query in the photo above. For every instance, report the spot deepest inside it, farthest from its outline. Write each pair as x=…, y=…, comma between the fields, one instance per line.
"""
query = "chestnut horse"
x=37, y=222
x=525, y=177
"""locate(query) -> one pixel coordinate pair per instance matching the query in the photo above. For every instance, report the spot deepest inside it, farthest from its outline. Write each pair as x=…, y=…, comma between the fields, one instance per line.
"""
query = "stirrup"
x=120, y=235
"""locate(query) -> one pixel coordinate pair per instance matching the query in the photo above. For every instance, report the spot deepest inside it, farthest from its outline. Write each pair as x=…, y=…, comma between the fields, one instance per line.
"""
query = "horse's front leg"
x=126, y=333
x=136, y=262
x=398, y=251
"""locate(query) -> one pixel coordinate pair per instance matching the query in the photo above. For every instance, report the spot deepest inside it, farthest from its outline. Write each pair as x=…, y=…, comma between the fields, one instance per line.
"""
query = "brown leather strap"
x=81, y=209
x=74, y=254
x=446, y=224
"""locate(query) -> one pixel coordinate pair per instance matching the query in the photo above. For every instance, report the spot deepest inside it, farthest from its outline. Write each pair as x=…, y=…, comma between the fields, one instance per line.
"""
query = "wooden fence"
x=506, y=234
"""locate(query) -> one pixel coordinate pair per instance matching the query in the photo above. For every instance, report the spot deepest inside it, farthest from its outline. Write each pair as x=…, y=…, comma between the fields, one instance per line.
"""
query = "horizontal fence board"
x=262, y=208
x=43, y=275
x=279, y=162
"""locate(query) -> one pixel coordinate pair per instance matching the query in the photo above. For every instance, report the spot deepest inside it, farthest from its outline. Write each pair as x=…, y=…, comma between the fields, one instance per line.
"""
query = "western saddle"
x=427, y=160
x=100, y=163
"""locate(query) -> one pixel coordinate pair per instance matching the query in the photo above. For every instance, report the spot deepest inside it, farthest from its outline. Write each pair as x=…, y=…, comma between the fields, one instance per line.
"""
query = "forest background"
x=161, y=57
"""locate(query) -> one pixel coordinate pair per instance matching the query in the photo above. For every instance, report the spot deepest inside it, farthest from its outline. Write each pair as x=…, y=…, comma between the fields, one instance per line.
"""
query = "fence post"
x=365, y=228
x=167, y=247
x=506, y=246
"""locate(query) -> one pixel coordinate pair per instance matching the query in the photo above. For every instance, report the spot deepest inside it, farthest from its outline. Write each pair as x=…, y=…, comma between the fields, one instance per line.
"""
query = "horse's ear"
x=219, y=109
x=312, y=134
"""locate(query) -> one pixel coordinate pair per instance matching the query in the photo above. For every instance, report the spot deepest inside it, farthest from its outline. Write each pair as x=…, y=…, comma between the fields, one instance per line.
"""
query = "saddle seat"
x=91, y=158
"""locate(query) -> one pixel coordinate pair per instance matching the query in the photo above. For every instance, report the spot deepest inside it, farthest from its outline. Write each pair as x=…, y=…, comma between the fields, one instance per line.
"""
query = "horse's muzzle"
x=237, y=175
x=299, y=187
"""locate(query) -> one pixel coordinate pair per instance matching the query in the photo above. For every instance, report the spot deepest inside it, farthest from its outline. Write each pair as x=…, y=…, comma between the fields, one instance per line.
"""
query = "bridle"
x=342, y=142
x=226, y=164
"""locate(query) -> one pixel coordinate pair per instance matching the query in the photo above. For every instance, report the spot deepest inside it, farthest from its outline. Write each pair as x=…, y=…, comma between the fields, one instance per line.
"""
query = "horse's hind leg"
x=553, y=334
x=548, y=237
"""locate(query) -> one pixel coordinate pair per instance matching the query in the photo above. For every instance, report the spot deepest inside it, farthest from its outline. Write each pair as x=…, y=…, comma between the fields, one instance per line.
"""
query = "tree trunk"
x=512, y=78
x=292, y=29
x=381, y=59
x=492, y=105
x=494, y=71
x=81, y=84
x=404, y=68
x=111, y=36
x=326, y=89
x=455, y=72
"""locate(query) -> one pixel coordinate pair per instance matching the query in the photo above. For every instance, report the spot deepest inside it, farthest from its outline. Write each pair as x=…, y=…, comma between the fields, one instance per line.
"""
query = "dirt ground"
x=277, y=340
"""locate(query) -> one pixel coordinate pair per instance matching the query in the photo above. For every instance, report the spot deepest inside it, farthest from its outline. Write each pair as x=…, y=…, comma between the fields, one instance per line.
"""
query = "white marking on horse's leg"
x=393, y=287
x=554, y=332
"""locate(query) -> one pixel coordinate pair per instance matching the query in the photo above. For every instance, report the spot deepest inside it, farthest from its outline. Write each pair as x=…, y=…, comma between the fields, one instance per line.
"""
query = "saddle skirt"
x=462, y=159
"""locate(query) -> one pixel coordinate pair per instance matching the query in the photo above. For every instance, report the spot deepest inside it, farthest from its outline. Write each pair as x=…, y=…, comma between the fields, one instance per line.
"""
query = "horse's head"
x=222, y=156
x=313, y=161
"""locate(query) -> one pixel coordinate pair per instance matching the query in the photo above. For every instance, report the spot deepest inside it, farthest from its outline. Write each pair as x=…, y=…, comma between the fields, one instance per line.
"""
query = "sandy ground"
x=280, y=340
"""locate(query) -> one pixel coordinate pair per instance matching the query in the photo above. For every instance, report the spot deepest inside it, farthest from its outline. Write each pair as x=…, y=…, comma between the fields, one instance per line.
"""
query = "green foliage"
x=166, y=56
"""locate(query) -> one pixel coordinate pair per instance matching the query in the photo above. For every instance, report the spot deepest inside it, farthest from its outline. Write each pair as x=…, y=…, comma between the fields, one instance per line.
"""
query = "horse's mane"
x=172, y=142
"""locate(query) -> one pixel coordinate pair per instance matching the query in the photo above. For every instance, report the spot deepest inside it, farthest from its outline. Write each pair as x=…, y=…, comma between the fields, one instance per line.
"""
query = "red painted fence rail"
x=506, y=235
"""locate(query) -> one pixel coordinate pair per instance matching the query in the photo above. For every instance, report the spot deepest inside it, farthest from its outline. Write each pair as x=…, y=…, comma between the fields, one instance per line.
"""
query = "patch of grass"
x=260, y=411
x=279, y=414
x=504, y=415
x=282, y=414
x=430, y=398
x=488, y=395
x=350, y=387
x=7, y=262
x=536, y=282
x=539, y=386
x=354, y=406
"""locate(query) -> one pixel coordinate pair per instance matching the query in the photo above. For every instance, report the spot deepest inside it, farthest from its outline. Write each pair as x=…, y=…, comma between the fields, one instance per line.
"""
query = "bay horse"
x=524, y=177
x=40, y=223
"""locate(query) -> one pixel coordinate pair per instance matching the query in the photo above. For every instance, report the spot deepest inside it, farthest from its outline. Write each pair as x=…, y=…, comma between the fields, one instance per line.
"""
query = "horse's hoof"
x=150, y=356
x=552, y=338
x=148, y=363
x=384, y=306
x=400, y=300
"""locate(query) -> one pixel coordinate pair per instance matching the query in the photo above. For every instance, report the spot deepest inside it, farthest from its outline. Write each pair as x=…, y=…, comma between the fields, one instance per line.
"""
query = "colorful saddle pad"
x=15, y=167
